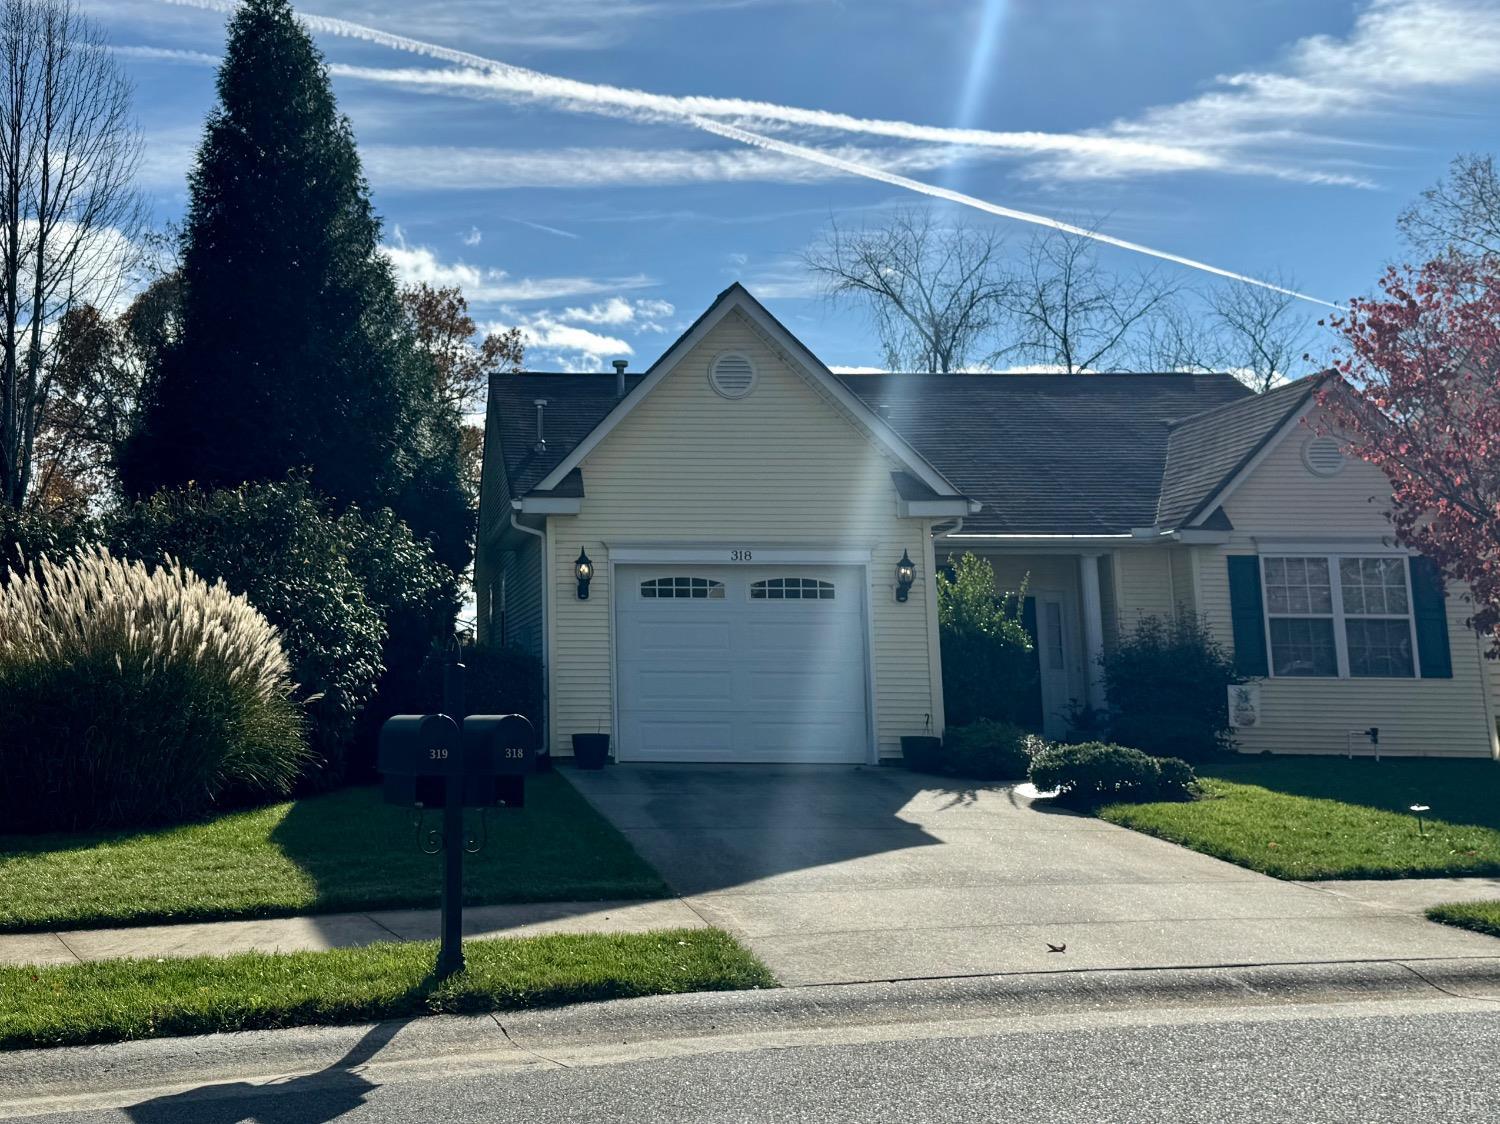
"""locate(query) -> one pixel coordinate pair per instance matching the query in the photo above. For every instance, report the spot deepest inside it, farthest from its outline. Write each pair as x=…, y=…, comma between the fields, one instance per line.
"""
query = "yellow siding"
x=523, y=596
x=1283, y=500
x=1143, y=585
x=781, y=467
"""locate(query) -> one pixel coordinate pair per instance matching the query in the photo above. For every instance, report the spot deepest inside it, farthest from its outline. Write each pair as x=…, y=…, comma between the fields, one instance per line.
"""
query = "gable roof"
x=1206, y=452
x=1048, y=454
x=737, y=298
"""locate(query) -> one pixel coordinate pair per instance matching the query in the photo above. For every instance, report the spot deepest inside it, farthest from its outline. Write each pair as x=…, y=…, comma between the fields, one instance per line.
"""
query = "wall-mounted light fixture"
x=906, y=574
x=583, y=570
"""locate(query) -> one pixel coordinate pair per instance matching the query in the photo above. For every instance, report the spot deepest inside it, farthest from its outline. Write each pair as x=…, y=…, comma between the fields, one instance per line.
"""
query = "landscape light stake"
x=1417, y=810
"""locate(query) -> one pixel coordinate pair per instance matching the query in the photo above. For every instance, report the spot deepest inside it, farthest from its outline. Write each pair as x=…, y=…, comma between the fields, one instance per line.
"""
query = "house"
x=732, y=556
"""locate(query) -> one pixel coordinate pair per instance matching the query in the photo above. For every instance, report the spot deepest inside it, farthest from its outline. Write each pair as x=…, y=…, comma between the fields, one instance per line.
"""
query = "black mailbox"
x=417, y=753
x=499, y=750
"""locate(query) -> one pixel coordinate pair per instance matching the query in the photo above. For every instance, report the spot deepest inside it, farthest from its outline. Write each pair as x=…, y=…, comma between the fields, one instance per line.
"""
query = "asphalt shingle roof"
x=1204, y=452
x=1044, y=454
x=1047, y=454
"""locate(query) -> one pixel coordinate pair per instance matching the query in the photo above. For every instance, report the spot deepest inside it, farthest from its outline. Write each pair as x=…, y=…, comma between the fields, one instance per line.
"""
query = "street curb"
x=527, y=1039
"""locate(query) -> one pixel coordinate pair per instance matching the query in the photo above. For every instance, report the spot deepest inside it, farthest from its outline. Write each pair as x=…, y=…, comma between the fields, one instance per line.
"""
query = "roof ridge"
x=1306, y=384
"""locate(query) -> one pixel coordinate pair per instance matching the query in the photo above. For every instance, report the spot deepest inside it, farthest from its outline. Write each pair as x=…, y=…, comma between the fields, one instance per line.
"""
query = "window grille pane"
x=1303, y=647
x=1380, y=648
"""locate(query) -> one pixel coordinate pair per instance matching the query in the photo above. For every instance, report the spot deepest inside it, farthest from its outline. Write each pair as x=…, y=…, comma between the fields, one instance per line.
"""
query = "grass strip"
x=1328, y=818
x=324, y=854
x=115, y=1000
x=1482, y=917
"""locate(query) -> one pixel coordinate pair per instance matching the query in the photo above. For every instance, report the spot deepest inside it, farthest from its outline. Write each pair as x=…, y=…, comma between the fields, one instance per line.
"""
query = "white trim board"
x=738, y=298
x=740, y=554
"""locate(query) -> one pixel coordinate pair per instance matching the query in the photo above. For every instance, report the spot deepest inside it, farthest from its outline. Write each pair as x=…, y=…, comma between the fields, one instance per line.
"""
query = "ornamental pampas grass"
x=131, y=695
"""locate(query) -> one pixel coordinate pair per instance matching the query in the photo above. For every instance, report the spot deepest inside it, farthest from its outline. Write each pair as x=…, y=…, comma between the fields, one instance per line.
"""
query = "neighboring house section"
x=744, y=512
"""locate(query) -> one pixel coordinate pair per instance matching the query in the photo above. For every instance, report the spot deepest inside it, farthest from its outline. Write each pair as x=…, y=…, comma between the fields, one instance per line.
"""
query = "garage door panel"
x=741, y=678
x=667, y=687
x=681, y=637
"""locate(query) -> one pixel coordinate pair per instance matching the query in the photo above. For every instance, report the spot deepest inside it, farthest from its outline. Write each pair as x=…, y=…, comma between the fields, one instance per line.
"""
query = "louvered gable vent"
x=732, y=375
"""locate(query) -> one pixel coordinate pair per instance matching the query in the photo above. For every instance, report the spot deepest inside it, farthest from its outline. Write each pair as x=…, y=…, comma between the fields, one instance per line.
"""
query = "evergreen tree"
x=293, y=354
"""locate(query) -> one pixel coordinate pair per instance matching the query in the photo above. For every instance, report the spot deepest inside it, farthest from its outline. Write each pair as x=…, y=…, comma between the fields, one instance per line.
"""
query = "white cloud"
x=473, y=237
x=544, y=333
x=1276, y=120
x=836, y=369
x=458, y=168
x=488, y=286
x=641, y=315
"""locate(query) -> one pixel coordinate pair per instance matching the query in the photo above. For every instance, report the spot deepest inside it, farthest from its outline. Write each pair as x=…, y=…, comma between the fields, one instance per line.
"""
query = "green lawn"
x=1482, y=917
x=343, y=851
x=1329, y=817
x=114, y=1000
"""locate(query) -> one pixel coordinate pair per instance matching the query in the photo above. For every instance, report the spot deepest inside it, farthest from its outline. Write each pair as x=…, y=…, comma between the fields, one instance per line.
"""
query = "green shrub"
x=418, y=599
x=986, y=750
x=1168, y=688
x=496, y=681
x=1094, y=773
x=988, y=667
x=25, y=536
x=131, y=696
x=278, y=545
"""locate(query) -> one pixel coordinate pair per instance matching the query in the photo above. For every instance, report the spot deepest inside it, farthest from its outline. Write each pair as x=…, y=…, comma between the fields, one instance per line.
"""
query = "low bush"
x=986, y=750
x=1168, y=688
x=989, y=670
x=1094, y=773
x=131, y=696
x=278, y=545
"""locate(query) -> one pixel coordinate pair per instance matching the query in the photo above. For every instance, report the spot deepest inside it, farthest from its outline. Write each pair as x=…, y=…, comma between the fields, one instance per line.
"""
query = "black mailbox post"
x=449, y=761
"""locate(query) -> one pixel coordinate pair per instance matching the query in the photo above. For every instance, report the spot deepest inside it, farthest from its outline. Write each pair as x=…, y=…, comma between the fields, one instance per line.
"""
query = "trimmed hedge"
x=986, y=750
x=131, y=696
x=1168, y=688
x=1094, y=773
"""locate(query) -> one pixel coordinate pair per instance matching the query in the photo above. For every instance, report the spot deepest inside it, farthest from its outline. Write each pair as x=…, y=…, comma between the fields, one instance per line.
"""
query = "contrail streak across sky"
x=701, y=112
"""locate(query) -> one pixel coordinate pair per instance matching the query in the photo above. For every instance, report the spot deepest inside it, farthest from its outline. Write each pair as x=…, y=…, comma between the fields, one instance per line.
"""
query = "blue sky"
x=1262, y=136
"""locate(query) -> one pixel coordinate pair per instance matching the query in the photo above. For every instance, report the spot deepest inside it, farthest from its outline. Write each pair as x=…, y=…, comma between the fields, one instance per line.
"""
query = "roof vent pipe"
x=541, y=437
x=620, y=365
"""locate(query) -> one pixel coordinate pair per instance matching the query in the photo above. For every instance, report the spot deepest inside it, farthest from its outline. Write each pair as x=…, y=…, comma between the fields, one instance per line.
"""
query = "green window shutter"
x=1247, y=613
x=1427, y=602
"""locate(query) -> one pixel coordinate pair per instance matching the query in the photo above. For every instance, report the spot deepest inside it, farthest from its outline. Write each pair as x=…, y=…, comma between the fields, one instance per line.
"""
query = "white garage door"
x=739, y=664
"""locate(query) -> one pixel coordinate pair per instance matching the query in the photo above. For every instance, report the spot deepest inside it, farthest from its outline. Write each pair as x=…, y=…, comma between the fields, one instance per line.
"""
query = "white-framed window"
x=695, y=589
x=791, y=589
x=1339, y=616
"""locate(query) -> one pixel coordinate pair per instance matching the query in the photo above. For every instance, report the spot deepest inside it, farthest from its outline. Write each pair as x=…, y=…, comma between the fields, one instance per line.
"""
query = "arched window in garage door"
x=697, y=589
x=791, y=589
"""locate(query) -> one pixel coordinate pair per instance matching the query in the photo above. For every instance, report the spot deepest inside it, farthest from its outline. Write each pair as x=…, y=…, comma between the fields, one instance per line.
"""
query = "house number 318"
x=739, y=555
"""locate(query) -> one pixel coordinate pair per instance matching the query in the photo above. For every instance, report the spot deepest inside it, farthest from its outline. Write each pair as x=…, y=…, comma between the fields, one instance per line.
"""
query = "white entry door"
x=1057, y=660
x=719, y=663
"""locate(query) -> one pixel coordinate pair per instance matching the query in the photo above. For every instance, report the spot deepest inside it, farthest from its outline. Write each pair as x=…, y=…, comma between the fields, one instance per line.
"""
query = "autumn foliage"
x=1420, y=399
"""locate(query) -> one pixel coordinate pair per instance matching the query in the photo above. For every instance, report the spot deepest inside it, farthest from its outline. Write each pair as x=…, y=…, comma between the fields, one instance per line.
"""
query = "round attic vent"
x=732, y=375
x=1323, y=455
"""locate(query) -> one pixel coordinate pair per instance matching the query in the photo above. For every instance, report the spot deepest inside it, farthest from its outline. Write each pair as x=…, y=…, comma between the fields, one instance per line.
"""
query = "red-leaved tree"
x=1421, y=400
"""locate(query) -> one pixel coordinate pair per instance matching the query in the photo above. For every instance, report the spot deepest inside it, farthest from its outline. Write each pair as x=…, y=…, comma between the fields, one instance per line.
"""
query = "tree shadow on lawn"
x=1456, y=791
x=313, y=1098
x=362, y=853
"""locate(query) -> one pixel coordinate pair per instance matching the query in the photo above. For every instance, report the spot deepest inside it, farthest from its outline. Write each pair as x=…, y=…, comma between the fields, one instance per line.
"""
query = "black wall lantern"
x=583, y=570
x=906, y=573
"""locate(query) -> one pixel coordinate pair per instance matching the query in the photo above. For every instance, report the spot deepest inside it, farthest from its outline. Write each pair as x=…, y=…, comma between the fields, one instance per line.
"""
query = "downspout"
x=542, y=604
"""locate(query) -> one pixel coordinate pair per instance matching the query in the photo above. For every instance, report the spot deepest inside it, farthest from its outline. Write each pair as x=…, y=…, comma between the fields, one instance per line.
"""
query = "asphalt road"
x=1380, y=1063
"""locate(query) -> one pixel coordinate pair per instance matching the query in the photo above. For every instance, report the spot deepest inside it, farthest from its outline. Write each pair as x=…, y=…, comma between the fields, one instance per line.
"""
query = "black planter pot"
x=590, y=751
x=921, y=753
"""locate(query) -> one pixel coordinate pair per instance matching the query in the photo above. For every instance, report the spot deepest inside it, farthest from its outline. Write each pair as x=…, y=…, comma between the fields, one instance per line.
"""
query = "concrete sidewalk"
x=341, y=930
x=845, y=875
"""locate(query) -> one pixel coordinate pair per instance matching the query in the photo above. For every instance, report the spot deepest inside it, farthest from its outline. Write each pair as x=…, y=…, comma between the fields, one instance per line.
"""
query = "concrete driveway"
x=835, y=874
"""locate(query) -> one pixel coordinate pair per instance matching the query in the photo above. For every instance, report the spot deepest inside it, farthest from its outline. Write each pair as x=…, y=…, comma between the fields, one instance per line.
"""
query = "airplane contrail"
x=853, y=168
x=700, y=111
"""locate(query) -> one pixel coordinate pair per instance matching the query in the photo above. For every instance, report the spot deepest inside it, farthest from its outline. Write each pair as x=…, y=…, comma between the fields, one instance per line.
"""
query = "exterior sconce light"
x=583, y=570
x=906, y=574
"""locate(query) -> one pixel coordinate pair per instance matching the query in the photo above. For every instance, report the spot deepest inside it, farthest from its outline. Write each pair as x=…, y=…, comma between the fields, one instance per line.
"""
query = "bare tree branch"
x=1460, y=213
x=69, y=212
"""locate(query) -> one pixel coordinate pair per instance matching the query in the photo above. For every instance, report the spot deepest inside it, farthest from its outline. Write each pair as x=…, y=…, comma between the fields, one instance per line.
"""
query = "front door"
x=1056, y=623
